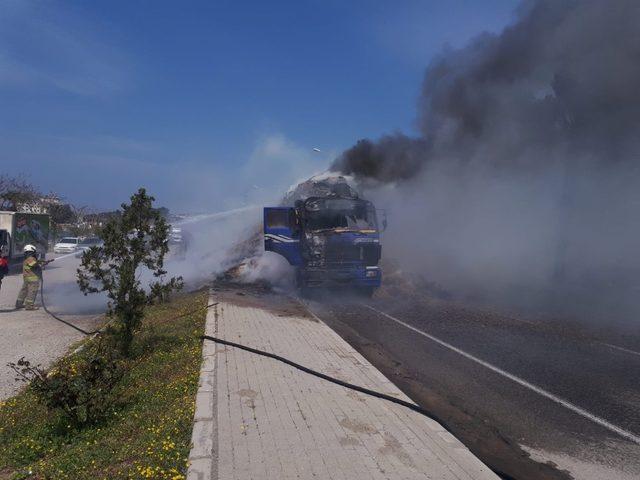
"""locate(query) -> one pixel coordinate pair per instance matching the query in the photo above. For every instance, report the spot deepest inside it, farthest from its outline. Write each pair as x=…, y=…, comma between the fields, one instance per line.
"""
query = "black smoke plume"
x=523, y=183
x=559, y=85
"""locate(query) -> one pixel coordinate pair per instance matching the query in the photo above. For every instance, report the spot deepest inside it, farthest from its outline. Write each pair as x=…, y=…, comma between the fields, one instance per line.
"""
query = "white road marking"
x=622, y=349
x=560, y=401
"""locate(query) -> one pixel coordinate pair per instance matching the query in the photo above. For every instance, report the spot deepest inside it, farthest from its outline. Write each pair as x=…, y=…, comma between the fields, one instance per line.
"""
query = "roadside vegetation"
x=134, y=242
x=146, y=429
x=122, y=406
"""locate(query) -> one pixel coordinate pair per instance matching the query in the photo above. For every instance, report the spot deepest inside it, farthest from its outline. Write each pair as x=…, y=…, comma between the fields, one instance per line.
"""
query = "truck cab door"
x=281, y=233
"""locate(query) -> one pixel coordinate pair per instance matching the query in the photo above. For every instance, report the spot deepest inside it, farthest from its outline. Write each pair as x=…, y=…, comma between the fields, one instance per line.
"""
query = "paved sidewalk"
x=257, y=418
x=34, y=334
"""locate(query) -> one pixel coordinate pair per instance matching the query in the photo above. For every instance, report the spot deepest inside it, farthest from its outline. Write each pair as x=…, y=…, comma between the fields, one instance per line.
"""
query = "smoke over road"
x=523, y=183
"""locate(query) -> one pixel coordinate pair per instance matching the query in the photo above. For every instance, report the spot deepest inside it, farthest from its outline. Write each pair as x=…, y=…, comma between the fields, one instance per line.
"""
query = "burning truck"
x=330, y=235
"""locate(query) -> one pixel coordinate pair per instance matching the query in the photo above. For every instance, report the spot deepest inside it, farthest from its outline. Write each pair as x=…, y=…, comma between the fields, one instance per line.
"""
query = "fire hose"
x=56, y=317
x=98, y=331
x=44, y=307
x=350, y=386
x=302, y=368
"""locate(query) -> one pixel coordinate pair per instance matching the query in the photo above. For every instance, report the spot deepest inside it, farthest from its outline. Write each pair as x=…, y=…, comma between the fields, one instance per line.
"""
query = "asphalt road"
x=503, y=382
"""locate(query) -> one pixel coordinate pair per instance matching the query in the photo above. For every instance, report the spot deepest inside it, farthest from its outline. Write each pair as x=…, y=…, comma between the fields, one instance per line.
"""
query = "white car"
x=86, y=243
x=66, y=245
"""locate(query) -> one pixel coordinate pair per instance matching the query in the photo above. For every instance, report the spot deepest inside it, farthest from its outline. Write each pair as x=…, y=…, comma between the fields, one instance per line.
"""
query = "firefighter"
x=31, y=277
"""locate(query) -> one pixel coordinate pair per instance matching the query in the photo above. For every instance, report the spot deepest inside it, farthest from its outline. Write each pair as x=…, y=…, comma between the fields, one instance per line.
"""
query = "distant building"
x=39, y=205
x=51, y=199
x=32, y=207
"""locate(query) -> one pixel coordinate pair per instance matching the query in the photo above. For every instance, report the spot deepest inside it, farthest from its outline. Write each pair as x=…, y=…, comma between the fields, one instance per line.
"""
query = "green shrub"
x=79, y=388
x=134, y=242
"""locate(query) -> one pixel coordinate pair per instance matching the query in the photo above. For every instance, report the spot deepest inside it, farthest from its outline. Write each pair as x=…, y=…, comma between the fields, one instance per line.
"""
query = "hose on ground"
x=351, y=386
x=96, y=332
x=44, y=307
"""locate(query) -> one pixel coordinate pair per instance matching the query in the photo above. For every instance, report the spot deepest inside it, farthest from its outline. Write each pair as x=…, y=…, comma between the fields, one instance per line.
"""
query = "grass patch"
x=148, y=431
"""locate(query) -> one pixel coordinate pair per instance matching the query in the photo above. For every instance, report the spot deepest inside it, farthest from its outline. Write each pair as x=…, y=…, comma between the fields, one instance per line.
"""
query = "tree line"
x=18, y=193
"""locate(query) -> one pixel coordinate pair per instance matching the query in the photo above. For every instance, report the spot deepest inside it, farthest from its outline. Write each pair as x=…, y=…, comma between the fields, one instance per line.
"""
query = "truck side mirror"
x=384, y=223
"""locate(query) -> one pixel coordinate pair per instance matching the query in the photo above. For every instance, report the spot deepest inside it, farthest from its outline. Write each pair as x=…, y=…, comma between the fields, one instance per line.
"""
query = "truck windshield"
x=324, y=214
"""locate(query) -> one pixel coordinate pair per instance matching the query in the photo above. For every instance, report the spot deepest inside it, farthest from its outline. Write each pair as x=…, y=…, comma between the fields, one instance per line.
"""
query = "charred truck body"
x=332, y=239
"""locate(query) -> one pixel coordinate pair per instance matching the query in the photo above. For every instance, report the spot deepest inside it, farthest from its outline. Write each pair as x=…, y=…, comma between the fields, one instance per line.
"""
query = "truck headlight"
x=371, y=273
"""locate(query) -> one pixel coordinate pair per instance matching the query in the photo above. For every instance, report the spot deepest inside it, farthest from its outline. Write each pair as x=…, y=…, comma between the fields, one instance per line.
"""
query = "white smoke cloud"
x=277, y=162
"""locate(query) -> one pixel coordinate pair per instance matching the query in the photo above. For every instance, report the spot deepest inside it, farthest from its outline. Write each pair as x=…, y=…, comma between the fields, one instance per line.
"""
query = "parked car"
x=88, y=242
x=66, y=245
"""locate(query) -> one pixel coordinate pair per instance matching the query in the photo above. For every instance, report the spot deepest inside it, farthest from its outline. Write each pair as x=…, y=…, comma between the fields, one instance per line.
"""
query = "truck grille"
x=368, y=254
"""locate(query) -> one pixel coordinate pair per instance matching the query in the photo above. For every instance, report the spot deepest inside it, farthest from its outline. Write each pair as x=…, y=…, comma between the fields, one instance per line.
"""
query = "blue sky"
x=210, y=104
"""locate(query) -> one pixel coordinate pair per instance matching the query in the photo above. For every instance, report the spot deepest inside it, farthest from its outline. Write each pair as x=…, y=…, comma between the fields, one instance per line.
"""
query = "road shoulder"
x=33, y=334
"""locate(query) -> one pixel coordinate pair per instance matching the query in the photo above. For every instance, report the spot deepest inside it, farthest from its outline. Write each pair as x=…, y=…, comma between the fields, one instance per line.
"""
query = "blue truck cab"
x=332, y=241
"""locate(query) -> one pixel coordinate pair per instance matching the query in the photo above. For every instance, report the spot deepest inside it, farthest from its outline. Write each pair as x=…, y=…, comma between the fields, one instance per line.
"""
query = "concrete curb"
x=202, y=456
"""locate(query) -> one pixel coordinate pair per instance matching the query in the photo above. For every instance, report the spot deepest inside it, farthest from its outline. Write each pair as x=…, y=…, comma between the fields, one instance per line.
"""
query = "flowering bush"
x=146, y=434
x=80, y=388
